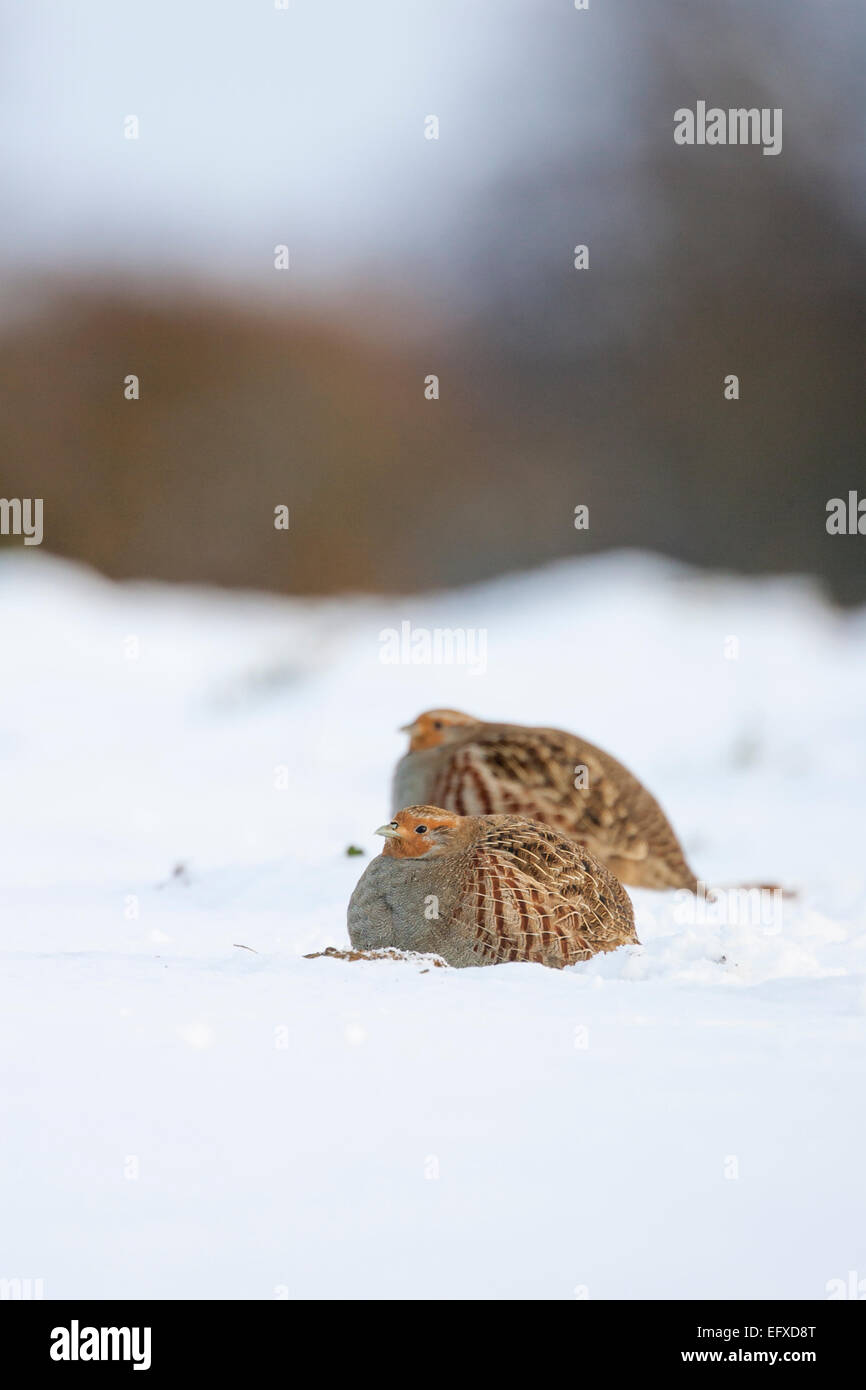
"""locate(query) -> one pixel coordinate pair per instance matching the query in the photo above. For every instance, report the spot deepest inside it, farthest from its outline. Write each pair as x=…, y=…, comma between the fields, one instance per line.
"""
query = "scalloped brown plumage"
x=476, y=768
x=482, y=890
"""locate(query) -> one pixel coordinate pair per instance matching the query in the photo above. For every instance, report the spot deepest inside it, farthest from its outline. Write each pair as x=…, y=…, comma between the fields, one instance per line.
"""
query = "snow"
x=183, y=771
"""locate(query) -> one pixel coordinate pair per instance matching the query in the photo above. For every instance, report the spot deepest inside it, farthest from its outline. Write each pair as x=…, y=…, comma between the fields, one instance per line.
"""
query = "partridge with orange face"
x=475, y=769
x=481, y=890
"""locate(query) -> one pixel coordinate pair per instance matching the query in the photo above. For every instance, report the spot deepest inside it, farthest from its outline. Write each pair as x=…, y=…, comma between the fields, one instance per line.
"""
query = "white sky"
x=305, y=126
x=260, y=126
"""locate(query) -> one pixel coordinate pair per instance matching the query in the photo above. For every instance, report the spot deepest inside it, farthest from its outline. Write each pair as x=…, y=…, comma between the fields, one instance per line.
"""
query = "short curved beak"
x=389, y=832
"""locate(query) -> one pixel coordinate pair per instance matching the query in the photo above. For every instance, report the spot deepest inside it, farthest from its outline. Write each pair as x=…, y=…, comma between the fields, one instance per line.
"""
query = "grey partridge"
x=475, y=768
x=482, y=890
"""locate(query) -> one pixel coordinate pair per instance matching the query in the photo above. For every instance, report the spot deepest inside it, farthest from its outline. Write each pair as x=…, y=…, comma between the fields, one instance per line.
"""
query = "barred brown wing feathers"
x=559, y=779
x=626, y=817
x=465, y=785
x=572, y=873
x=505, y=921
x=533, y=895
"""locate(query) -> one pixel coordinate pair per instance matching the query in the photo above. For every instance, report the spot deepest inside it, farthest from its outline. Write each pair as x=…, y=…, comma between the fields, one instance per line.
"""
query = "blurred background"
x=260, y=126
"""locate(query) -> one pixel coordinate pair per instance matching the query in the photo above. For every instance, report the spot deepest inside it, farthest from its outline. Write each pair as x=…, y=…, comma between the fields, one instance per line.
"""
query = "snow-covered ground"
x=182, y=773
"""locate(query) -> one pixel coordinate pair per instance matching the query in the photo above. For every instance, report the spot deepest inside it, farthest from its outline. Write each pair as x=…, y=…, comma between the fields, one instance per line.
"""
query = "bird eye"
x=437, y=723
x=420, y=830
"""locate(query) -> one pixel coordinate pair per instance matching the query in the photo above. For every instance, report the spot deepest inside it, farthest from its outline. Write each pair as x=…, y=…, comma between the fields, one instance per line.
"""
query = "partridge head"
x=425, y=832
x=438, y=726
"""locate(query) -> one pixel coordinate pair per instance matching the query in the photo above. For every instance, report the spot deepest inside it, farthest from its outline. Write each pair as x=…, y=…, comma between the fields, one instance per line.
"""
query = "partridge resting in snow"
x=479, y=890
x=549, y=776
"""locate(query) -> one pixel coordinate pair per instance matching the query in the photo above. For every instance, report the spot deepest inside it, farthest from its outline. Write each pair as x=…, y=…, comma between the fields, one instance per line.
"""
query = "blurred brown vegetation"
x=239, y=412
x=242, y=410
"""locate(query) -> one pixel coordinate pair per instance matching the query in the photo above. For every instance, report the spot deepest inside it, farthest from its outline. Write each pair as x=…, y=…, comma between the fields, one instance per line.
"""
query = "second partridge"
x=474, y=768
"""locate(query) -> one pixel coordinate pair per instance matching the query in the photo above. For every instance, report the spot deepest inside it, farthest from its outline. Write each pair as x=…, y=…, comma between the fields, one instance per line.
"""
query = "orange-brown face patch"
x=415, y=825
x=433, y=727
